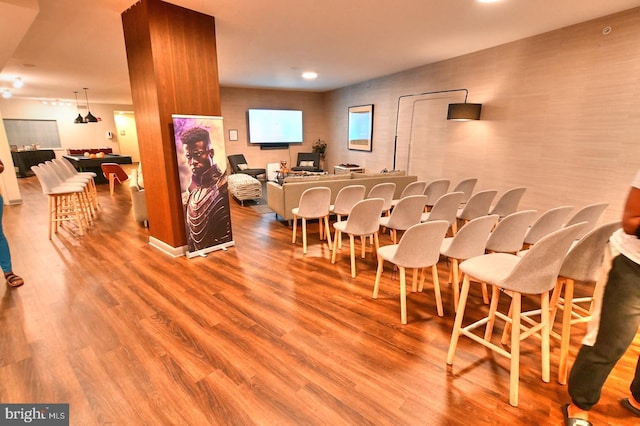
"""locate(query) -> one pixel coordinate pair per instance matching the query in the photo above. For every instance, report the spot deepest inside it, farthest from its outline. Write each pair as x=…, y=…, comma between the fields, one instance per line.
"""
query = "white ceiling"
x=73, y=44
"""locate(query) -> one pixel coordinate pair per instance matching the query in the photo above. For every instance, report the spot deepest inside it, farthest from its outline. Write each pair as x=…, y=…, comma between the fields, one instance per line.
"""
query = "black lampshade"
x=90, y=118
x=79, y=119
x=464, y=112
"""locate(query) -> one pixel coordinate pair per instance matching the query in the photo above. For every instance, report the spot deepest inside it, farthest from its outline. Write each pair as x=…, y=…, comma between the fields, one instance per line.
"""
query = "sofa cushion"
x=140, y=177
x=243, y=166
x=306, y=164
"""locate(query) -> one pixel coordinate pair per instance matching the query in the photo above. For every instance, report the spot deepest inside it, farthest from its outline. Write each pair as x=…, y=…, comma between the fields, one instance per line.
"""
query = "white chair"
x=414, y=188
x=589, y=214
x=466, y=186
x=469, y=242
x=478, y=205
x=418, y=248
x=314, y=204
x=582, y=264
x=534, y=273
x=445, y=208
x=508, y=235
x=407, y=213
x=508, y=202
x=549, y=221
x=363, y=221
x=434, y=190
x=385, y=191
x=347, y=197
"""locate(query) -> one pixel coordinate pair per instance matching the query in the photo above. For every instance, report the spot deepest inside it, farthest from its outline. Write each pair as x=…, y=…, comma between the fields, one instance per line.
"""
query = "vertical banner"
x=203, y=182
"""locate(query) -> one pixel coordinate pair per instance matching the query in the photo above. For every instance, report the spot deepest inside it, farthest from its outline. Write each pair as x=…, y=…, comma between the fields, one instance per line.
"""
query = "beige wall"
x=561, y=115
x=236, y=102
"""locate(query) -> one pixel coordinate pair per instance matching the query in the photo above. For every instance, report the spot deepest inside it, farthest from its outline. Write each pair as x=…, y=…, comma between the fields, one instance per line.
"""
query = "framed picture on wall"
x=360, y=127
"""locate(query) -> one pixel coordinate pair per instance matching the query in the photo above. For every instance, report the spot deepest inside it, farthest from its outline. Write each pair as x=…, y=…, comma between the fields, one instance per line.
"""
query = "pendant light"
x=89, y=118
x=79, y=119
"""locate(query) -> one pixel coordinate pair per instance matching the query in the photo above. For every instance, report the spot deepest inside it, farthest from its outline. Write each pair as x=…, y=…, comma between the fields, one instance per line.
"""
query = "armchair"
x=239, y=165
x=308, y=162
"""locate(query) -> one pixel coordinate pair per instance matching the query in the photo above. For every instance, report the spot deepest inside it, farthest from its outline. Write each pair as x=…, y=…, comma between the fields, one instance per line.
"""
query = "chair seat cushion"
x=490, y=268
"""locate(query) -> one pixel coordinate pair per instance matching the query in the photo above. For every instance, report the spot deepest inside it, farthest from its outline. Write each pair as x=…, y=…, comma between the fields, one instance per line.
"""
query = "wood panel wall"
x=171, y=52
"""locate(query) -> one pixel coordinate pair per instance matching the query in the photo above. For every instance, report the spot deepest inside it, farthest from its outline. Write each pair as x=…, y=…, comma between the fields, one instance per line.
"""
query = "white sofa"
x=282, y=198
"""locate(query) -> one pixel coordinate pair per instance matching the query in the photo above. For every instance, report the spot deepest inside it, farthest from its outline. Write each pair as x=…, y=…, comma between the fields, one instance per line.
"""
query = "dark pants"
x=619, y=323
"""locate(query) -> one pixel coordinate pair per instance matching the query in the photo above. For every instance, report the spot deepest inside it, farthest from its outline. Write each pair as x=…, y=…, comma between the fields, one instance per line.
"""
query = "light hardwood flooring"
x=259, y=334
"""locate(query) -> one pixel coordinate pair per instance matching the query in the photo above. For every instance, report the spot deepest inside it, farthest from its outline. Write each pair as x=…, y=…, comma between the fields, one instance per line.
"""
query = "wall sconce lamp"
x=457, y=112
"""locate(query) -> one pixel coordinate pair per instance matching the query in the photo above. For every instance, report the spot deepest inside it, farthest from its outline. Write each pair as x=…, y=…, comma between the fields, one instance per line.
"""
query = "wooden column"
x=173, y=69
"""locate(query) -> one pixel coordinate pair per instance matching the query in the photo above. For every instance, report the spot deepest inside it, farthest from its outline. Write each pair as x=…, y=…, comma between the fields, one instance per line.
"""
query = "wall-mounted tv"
x=275, y=126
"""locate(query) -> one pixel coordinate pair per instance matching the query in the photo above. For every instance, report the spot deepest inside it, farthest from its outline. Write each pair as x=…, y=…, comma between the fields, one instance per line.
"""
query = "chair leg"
x=455, y=284
x=514, y=374
x=436, y=289
x=352, y=250
x=112, y=182
x=295, y=229
x=327, y=231
x=414, y=281
x=363, y=245
x=495, y=297
x=403, y=295
x=457, y=325
x=376, y=285
x=304, y=235
x=545, y=331
x=566, y=331
x=485, y=293
x=338, y=234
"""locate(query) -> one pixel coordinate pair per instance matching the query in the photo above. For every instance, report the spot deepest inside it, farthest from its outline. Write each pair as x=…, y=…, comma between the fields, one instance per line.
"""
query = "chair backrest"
x=314, y=202
x=407, y=212
x=537, y=271
x=471, y=239
x=414, y=188
x=61, y=169
x=67, y=165
x=235, y=160
x=436, y=189
x=420, y=245
x=384, y=190
x=478, y=205
x=108, y=168
x=309, y=156
x=347, y=197
x=508, y=201
x=445, y=208
x=508, y=235
x=585, y=258
x=466, y=186
x=548, y=221
x=589, y=214
x=364, y=218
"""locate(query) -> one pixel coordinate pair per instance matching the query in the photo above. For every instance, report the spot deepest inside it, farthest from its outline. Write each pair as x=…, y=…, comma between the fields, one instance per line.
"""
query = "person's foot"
x=574, y=416
x=13, y=280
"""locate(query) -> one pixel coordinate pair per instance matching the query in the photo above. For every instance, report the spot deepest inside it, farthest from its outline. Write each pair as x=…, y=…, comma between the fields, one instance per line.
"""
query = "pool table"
x=86, y=164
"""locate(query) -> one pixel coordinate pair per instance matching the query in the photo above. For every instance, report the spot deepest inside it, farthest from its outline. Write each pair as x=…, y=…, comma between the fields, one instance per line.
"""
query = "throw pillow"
x=243, y=166
x=306, y=163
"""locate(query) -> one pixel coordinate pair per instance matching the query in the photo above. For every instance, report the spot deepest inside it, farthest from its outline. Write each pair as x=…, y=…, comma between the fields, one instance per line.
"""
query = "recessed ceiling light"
x=309, y=75
x=18, y=83
x=6, y=94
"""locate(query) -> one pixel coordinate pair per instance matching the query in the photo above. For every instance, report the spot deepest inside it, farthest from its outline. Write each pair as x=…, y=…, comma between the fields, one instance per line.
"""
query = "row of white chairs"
x=72, y=195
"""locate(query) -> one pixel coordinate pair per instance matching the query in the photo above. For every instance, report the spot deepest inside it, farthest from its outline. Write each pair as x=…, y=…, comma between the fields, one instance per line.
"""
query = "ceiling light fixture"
x=18, y=83
x=89, y=118
x=309, y=75
x=79, y=119
x=457, y=112
x=6, y=94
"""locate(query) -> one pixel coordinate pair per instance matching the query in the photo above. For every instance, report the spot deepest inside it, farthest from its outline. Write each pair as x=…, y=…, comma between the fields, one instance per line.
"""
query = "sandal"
x=573, y=421
x=13, y=280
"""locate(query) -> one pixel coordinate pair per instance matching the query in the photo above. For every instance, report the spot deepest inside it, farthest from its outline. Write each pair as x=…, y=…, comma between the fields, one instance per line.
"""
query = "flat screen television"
x=275, y=126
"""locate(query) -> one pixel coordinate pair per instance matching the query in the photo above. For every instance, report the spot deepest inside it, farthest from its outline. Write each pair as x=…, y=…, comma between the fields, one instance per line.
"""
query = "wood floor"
x=259, y=334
